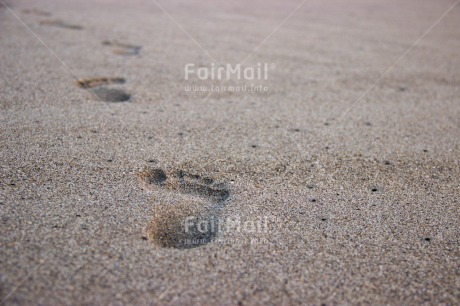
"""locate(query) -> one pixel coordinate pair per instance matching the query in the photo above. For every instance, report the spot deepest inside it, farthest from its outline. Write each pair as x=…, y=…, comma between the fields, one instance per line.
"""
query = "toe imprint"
x=187, y=216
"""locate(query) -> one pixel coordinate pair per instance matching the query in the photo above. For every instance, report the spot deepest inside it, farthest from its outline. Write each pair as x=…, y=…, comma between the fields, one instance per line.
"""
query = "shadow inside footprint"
x=110, y=94
x=94, y=86
x=188, y=214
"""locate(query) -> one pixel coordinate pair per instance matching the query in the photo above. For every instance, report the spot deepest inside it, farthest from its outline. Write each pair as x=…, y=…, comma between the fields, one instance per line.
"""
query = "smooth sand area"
x=344, y=174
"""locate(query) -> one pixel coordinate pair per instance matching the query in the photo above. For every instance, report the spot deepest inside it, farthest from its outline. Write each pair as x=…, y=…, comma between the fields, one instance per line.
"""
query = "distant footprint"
x=36, y=12
x=95, y=87
x=188, y=214
x=95, y=82
x=61, y=24
x=121, y=48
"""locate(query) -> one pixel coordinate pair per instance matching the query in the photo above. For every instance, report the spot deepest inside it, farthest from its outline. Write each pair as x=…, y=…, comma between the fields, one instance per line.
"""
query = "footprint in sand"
x=121, y=48
x=188, y=214
x=61, y=24
x=36, y=12
x=97, y=87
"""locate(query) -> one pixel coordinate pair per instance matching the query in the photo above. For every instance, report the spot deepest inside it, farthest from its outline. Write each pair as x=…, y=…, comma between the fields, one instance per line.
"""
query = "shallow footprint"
x=95, y=82
x=188, y=215
x=94, y=86
x=121, y=48
x=36, y=12
x=61, y=24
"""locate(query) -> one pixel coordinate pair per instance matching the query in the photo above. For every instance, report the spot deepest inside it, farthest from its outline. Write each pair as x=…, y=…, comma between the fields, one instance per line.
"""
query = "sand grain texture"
x=357, y=181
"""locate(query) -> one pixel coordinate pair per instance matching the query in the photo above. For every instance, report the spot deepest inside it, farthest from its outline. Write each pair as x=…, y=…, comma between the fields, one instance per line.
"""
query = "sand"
x=344, y=175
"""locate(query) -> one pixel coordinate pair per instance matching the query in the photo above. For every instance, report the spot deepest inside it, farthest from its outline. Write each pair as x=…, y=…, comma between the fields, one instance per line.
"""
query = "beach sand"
x=344, y=174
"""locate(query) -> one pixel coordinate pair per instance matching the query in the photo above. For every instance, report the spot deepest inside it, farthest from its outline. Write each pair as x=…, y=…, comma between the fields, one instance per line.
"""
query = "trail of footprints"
x=97, y=87
x=189, y=208
x=188, y=201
